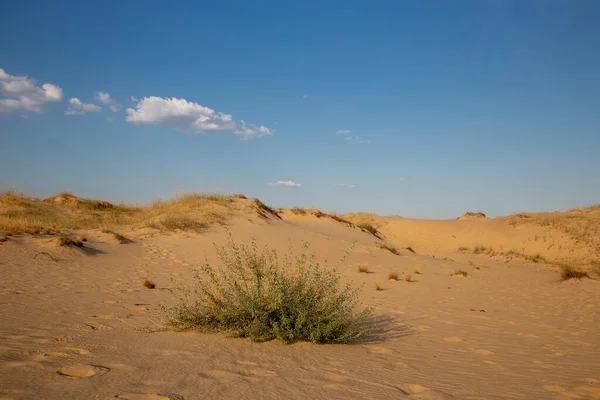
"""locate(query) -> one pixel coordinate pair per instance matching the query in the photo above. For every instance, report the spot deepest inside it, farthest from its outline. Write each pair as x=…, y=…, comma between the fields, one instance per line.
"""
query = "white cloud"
x=291, y=184
x=78, y=107
x=357, y=139
x=190, y=116
x=20, y=94
x=105, y=98
x=345, y=185
x=134, y=100
x=343, y=132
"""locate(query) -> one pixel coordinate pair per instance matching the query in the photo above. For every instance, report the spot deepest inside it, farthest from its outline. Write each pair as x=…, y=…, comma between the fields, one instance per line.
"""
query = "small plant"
x=481, y=249
x=366, y=227
x=417, y=271
x=66, y=241
x=252, y=294
x=567, y=271
x=378, y=286
x=149, y=284
x=463, y=249
x=320, y=214
x=408, y=277
x=298, y=211
x=461, y=272
x=536, y=258
x=393, y=276
x=362, y=268
x=120, y=238
x=389, y=248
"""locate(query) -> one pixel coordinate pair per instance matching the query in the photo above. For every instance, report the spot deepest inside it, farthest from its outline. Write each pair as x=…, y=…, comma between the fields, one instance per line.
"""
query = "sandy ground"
x=80, y=326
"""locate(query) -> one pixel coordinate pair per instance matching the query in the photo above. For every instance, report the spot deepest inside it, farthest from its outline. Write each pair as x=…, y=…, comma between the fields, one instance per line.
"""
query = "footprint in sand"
x=149, y=396
x=452, y=340
x=83, y=370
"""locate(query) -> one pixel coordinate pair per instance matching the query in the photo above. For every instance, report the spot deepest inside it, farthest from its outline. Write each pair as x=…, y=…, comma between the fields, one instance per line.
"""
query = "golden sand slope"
x=80, y=324
x=559, y=237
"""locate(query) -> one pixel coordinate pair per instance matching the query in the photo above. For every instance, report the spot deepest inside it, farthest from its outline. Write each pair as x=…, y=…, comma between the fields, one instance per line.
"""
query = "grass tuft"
x=378, y=286
x=417, y=271
x=408, y=277
x=362, y=268
x=392, y=249
x=481, y=249
x=463, y=249
x=393, y=276
x=367, y=227
x=120, y=238
x=67, y=241
x=461, y=272
x=254, y=295
x=568, y=271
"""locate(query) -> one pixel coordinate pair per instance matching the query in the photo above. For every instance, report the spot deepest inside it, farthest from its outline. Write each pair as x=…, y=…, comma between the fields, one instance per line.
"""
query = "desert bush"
x=254, y=295
x=461, y=272
x=393, y=276
x=408, y=277
x=568, y=271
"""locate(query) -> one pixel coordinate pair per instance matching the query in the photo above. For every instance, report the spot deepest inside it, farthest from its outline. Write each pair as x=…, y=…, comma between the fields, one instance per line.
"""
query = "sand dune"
x=77, y=322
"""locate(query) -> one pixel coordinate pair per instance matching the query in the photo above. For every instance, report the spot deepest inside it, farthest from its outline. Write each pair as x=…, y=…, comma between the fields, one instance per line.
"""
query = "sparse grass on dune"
x=461, y=272
x=393, y=276
x=583, y=225
x=19, y=213
x=254, y=295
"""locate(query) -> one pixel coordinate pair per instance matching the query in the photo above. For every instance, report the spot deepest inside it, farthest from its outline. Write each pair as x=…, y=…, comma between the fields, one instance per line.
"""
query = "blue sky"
x=476, y=105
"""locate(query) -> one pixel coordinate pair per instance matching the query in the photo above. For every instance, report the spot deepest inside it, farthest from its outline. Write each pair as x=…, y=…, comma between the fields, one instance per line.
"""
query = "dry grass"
x=378, y=286
x=417, y=271
x=389, y=247
x=298, y=211
x=149, y=284
x=67, y=241
x=568, y=271
x=362, y=268
x=408, y=277
x=463, y=249
x=461, y=272
x=367, y=227
x=22, y=214
x=393, y=276
x=120, y=238
x=481, y=249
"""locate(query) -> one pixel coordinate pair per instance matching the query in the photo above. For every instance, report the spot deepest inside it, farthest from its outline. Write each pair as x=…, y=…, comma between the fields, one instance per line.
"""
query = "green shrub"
x=255, y=295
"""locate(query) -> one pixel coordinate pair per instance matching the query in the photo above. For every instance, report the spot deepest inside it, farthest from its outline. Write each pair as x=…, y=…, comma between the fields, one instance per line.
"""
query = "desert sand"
x=78, y=323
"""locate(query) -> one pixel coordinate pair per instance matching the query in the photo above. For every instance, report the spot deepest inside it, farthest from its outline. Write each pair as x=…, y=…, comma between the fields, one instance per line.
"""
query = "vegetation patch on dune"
x=253, y=294
x=22, y=214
